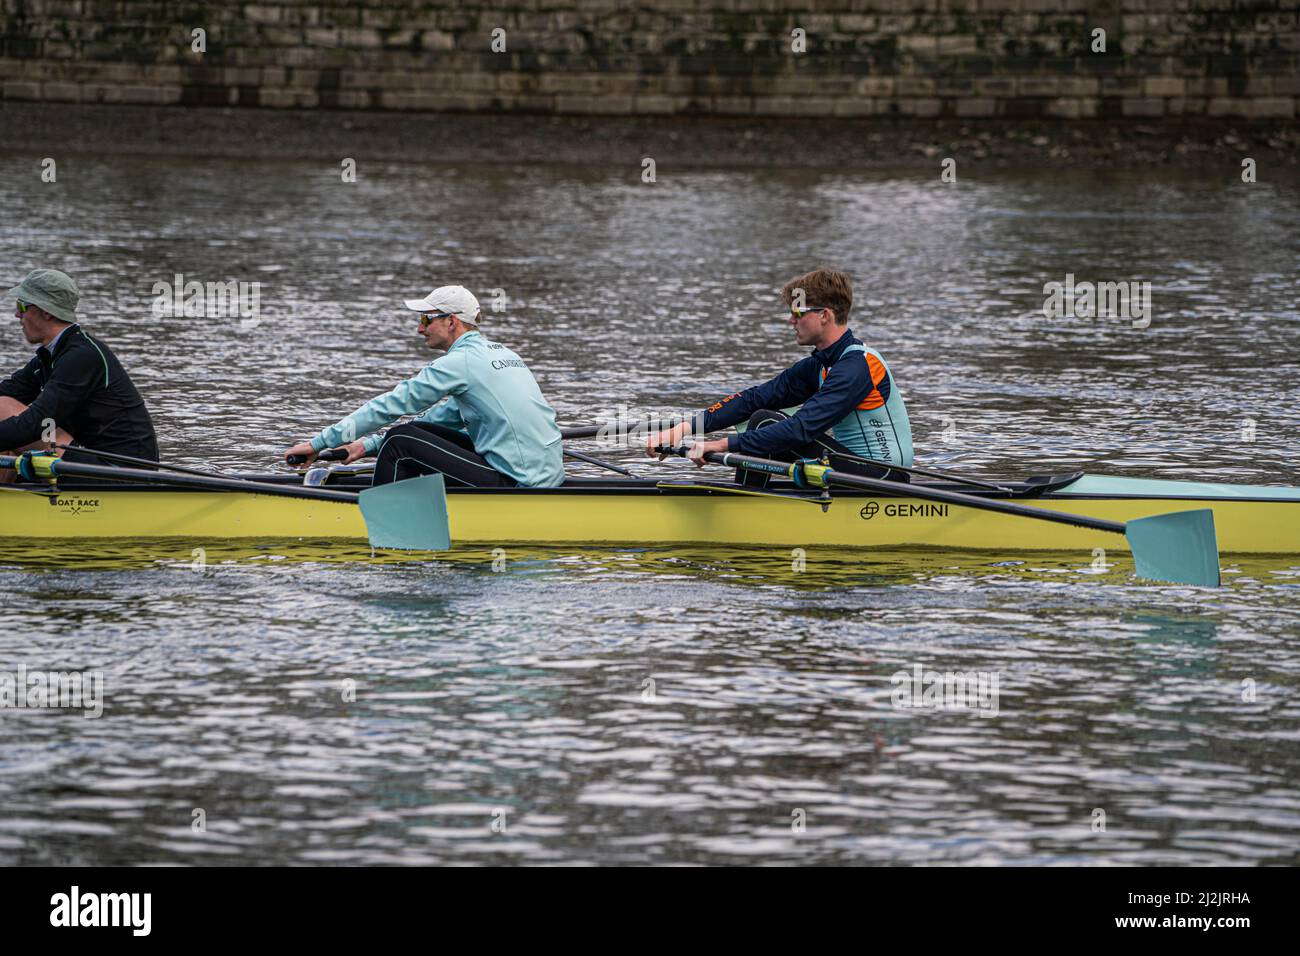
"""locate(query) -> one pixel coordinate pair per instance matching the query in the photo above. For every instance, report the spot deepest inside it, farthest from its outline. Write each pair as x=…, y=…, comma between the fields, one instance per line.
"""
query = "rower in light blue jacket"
x=482, y=419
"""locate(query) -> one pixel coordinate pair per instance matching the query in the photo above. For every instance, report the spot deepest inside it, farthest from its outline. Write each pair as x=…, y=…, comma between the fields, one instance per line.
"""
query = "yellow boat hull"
x=644, y=517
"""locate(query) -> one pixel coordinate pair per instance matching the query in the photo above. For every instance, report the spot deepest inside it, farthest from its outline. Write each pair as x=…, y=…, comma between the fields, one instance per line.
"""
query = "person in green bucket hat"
x=74, y=390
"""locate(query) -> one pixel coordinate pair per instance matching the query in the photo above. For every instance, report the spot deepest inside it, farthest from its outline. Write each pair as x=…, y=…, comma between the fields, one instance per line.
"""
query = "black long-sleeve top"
x=84, y=390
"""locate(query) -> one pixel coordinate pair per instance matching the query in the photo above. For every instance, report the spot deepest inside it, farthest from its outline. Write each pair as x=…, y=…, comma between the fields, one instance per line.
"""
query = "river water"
x=286, y=704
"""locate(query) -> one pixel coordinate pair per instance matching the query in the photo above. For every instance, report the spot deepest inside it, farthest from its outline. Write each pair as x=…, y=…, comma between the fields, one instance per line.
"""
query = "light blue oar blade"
x=1178, y=547
x=409, y=515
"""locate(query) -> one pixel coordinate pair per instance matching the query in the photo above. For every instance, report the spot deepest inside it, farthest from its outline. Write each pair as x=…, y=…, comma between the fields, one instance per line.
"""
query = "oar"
x=142, y=462
x=329, y=454
x=339, y=454
x=35, y=467
x=1179, y=546
x=407, y=515
x=928, y=472
x=592, y=431
x=579, y=456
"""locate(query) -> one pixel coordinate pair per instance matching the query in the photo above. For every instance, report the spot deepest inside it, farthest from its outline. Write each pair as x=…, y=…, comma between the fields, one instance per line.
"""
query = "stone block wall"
x=976, y=59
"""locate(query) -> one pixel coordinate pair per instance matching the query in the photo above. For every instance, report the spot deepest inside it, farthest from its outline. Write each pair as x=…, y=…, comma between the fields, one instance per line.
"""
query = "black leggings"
x=417, y=448
x=822, y=444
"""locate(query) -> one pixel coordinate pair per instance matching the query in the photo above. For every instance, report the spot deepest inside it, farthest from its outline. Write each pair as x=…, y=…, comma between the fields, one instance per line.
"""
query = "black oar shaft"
x=895, y=489
x=579, y=456
x=129, y=460
x=78, y=470
x=927, y=472
x=619, y=428
x=593, y=431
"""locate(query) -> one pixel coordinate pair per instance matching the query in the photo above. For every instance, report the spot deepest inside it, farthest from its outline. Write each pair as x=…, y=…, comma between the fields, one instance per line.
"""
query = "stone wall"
x=860, y=58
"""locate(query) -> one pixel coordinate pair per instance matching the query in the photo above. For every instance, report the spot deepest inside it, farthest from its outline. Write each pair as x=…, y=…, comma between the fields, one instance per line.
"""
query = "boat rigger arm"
x=442, y=377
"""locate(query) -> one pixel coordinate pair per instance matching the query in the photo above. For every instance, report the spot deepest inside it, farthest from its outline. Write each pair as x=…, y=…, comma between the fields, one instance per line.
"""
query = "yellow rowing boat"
x=1247, y=519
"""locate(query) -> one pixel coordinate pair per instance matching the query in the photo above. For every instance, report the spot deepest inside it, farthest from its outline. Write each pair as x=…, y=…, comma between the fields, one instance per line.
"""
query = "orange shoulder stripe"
x=877, y=373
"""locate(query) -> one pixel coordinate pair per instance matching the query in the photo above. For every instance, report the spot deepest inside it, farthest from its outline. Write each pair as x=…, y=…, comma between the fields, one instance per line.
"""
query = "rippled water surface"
x=313, y=704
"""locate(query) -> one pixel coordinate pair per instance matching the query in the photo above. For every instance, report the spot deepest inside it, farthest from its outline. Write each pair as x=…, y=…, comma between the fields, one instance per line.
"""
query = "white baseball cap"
x=455, y=299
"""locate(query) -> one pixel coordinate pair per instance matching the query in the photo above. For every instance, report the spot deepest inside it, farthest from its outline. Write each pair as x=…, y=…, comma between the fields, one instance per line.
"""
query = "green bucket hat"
x=51, y=290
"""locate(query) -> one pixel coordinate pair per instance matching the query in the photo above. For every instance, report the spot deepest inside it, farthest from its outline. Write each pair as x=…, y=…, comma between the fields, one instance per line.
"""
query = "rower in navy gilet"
x=848, y=405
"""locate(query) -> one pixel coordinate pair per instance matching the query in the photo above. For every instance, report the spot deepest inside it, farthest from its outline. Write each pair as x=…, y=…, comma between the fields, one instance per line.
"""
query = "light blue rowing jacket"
x=489, y=394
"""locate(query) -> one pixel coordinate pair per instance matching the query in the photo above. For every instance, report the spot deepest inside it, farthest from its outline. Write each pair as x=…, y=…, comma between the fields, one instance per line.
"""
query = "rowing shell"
x=1248, y=519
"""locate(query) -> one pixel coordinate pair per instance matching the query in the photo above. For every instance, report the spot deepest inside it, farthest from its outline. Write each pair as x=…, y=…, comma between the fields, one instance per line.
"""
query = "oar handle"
x=332, y=454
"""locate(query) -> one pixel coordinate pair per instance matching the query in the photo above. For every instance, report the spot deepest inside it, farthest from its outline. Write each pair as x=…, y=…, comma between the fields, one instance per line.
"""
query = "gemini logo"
x=870, y=509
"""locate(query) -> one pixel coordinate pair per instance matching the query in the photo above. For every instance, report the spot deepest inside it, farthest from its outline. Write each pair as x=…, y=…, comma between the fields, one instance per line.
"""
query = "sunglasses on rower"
x=800, y=313
x=24, y=306
x=427, y=318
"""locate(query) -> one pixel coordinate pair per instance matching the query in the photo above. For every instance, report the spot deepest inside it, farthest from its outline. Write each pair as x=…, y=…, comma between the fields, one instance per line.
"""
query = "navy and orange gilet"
x=846, y=388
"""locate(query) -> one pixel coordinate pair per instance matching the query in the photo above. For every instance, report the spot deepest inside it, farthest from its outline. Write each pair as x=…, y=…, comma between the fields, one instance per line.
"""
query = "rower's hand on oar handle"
x=695, y=451
x=347, y=454
x=670, y=437
x=300, y=454
x=699, y=449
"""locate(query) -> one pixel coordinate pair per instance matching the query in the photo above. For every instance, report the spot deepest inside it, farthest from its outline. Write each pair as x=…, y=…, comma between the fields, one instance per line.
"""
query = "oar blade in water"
x=1179, y=547
x=408, y=515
